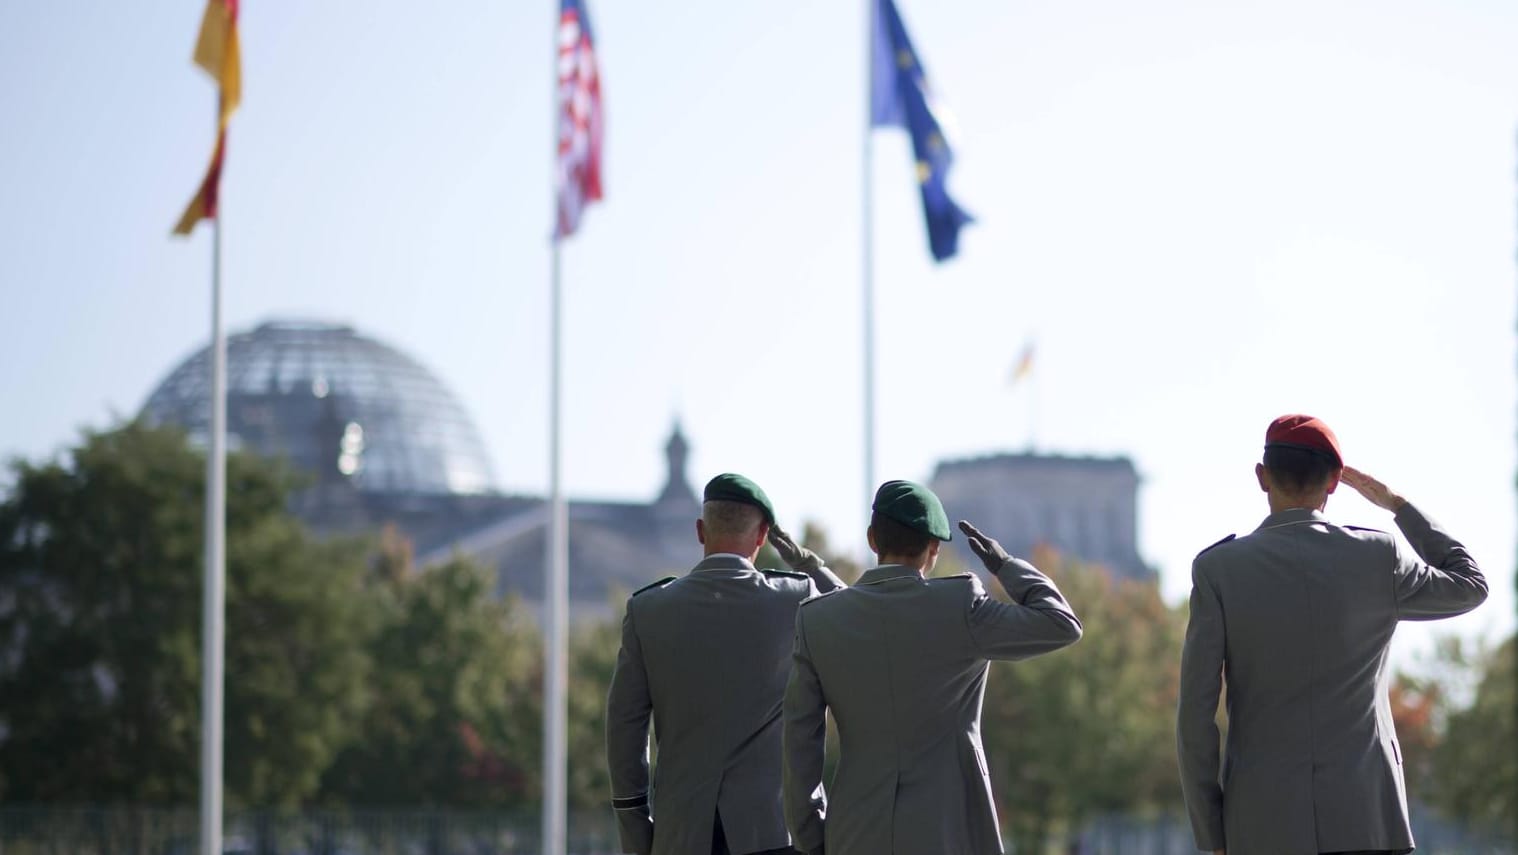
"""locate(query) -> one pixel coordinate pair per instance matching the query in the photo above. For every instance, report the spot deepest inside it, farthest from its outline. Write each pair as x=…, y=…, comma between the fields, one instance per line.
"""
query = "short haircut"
x=894, y=538
x=1299, y=470
x=731, y=519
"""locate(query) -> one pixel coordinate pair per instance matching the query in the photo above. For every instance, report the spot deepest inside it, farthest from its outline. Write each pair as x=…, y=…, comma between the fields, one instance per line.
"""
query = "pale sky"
x=1205, y=214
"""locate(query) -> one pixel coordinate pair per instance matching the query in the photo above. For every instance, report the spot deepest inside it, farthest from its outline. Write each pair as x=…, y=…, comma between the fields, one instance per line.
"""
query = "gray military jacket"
x=1298, y=615
x=706, y=656
x=902, y=662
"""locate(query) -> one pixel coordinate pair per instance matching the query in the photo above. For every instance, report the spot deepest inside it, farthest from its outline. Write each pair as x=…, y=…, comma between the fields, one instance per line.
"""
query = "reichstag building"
x=385, y=443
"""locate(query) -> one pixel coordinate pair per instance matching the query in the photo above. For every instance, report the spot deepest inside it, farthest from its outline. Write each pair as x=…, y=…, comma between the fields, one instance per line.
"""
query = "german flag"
x=217, y=52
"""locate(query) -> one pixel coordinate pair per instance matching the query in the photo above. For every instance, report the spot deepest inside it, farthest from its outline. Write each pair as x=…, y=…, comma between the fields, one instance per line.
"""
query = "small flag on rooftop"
x=1024, y=365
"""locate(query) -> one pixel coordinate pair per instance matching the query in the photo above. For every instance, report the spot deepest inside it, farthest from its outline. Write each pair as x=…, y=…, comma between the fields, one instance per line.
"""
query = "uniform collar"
x=1293, y=516
x=723, y=561
x=887, y=572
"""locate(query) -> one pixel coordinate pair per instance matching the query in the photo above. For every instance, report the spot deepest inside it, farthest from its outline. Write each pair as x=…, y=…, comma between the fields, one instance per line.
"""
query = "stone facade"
x=1085, y=507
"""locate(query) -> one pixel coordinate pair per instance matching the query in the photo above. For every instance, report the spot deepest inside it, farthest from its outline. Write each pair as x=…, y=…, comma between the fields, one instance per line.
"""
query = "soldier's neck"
x=1283, y=502
x=712, y=547
x=916, y=562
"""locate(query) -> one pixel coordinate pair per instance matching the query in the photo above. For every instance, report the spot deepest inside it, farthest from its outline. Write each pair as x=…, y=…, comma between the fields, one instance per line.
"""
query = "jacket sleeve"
x=1038, y=620
x=1442, y=580
x=1196, y=720
x=628, y=709
x=804, y=740
x=825, y=580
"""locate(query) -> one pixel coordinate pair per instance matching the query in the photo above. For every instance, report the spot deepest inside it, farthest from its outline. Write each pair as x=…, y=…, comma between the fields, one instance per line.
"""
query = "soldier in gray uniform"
x=901, y=661
x=705, y=656
x=1298, y=615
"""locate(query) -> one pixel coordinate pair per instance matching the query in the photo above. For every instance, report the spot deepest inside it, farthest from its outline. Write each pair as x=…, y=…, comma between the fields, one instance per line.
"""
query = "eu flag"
x=900, y=97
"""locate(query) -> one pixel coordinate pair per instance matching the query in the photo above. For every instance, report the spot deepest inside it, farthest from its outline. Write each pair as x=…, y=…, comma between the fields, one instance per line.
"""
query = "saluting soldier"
x=705, y=656
x=901, y=660
x=1298, y=615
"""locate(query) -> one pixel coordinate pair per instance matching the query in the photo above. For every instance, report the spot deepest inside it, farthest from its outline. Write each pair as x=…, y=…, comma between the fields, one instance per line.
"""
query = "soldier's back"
x=1310, y=607
x=905, y=683
x=716, y=647
x=1309, y=610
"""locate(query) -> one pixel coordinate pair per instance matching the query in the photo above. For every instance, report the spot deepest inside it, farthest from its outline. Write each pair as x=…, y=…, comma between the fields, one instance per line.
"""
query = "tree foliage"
x=1475, y=766
x=592, y=657
x=355, y=678
x=100, y=625
x=1089, y=729
x=452, y=715
x=1418, y=706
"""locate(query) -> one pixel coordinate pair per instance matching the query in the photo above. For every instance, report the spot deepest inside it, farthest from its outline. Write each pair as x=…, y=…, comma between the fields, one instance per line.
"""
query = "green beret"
x=729, y=487
x=914, y=506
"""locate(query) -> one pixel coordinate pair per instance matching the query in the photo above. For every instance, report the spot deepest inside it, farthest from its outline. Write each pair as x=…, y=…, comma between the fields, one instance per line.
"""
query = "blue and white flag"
x=901, y=97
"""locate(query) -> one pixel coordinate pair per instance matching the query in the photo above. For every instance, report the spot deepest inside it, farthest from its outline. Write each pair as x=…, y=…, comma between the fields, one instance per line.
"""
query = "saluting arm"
x=1039, y=620
x=804, y=560
x=1443, y=579
x=804, y=738
x=1196, y=717
x=825, y=579
x=628, y=709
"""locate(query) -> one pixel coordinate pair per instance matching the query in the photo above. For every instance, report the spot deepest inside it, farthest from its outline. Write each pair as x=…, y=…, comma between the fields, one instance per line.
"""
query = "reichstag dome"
x=386, y=446
x=335, y=404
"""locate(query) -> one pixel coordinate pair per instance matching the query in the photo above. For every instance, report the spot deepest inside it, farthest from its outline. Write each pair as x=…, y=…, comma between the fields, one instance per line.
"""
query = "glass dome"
x=335, y=404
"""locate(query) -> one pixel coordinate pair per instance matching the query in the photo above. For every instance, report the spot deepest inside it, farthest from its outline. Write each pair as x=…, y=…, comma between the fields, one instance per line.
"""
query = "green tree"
x=1474, y=773
x=453, y=713
x=100, y=620
x=593, y=650
x=1089, y=729
x=1417, y=706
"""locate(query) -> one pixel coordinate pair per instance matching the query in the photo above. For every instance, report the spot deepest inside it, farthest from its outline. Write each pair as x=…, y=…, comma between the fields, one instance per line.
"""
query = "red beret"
x=1306, y=432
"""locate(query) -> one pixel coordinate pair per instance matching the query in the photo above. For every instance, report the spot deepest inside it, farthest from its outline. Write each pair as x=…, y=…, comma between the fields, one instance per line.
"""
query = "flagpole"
x=556, y=585
x=556, y=606
x=868, y=260
x=214, y=641
x=1035, y=396
x=1515, y=711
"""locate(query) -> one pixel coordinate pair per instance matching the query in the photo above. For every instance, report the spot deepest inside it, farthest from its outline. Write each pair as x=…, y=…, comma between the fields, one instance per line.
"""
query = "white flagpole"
x=214, y=630
x=868, y=262
x=555, y=607
x=1035, y=388
x=556, y=571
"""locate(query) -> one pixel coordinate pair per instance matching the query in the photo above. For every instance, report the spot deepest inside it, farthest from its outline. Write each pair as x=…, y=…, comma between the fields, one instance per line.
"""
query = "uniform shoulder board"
x=793, y=574
x=652, y=585
x=1216, y=545
x=1364, y=528
x=955, y=576
x=815, y=597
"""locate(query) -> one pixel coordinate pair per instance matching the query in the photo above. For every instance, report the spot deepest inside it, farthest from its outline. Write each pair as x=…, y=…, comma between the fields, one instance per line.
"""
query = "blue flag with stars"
x=901, y=97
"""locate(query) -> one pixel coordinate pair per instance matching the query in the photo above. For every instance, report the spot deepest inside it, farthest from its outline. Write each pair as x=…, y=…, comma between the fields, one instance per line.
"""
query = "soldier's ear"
x=869, y=536
x=1259, y=474
x=1333, y=480
x=700, y=531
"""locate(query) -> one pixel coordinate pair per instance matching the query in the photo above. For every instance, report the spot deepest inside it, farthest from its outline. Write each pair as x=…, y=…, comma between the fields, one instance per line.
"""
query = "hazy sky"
x=1205, y=214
